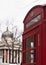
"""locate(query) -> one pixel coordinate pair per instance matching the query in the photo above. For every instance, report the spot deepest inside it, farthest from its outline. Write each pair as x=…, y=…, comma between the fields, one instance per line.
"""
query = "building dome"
x=7, y=33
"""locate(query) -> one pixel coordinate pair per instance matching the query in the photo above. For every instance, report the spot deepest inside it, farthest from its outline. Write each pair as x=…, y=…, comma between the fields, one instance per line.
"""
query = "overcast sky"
x=14, y=12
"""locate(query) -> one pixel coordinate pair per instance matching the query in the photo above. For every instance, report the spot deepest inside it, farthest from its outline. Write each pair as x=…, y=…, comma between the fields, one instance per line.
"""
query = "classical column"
x=20, y=57
x=17, y=56
x=5, y=56
x=8, y=56
x=11, y=56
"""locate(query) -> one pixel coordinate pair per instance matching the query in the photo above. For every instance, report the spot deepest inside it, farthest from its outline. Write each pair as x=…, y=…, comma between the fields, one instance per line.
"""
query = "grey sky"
x=15, y=11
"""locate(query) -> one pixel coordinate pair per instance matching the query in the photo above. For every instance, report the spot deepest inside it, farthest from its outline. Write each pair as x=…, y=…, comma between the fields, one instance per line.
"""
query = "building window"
x=34, y=20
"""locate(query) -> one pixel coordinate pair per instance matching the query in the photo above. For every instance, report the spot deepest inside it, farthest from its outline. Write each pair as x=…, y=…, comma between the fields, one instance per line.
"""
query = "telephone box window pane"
x=30, y=42
x=34, y=20
x=31, y=56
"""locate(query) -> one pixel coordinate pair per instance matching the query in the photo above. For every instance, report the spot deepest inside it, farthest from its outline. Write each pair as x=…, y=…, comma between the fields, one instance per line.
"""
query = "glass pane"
x=30, y=42
x=30, y=55
x=34, y=20
x=32, y=58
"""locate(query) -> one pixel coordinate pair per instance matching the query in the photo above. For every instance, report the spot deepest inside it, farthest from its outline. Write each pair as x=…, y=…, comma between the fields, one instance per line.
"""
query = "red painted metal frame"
x=38, y=28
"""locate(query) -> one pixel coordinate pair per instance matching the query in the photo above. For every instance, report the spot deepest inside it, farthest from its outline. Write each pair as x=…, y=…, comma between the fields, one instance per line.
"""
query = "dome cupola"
x=7, y=33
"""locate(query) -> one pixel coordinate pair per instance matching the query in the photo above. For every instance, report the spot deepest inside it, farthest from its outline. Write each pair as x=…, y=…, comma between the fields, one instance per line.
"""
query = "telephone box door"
x=33, y=49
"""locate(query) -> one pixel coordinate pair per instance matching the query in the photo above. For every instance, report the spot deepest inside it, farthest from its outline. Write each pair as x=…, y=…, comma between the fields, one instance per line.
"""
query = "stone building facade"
x=10, y=49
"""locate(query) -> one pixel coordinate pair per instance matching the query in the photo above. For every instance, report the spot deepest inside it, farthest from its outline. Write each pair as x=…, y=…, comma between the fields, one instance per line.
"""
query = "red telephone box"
x=34, y=37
